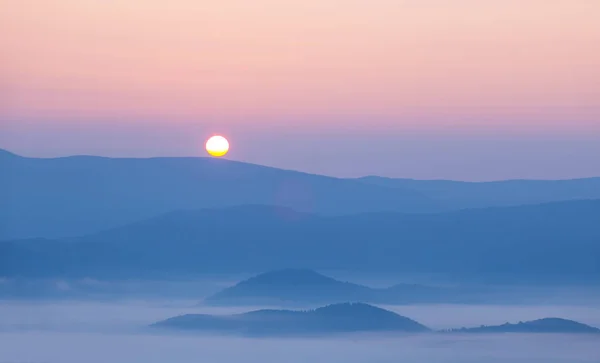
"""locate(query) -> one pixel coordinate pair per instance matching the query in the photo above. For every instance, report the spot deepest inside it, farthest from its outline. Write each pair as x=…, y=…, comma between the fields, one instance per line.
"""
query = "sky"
x=457, y=89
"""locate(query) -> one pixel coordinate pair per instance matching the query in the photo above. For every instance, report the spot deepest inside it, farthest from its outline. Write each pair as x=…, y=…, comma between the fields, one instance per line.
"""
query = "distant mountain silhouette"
x=458, y=194
x=346, y=318
x=5, y=154
x=537, y=242
x=62, y=197
x=290, y=285
x=71, y=196
x=303, y=286
x=547, y=325
x=337, y=318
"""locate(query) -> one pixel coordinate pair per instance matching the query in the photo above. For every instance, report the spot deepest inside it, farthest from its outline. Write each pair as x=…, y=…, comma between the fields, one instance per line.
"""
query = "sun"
x=217, y=146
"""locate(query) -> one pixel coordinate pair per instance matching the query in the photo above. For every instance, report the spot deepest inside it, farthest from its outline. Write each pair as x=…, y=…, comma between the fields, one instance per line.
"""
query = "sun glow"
x=217, y=146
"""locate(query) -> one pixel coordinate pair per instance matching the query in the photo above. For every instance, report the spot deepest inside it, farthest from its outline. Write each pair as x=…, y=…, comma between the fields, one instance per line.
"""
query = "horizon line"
x=6, y=151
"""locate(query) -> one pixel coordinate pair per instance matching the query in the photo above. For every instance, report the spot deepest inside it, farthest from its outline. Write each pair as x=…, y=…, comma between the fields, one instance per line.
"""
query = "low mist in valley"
x=61, y=347
x=116, y=331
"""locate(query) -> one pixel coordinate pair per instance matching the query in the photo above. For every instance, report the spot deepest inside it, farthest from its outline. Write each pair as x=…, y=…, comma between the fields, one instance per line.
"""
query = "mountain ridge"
x=305, y=286
x=289, y=285
x=489, y=241
x=545, y=325
x=465, y=194
x=78, y=195
x=70, y=196
x=330, y=319
x=346, y=318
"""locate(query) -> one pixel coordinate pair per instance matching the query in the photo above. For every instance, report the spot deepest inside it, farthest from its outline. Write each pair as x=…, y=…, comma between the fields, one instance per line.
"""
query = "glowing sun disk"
x=217, y=146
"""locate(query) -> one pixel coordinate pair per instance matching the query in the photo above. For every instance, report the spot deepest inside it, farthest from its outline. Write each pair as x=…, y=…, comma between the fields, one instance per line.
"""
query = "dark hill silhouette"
x=547, y=325
x=69, y=196
x=458, y=194
x=337, y=318
x=5, y=154
x=291, y=286
x=548, y=241
x=303, y=286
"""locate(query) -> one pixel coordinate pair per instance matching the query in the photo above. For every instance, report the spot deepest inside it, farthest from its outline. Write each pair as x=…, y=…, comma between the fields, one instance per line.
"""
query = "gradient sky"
x=461, y=89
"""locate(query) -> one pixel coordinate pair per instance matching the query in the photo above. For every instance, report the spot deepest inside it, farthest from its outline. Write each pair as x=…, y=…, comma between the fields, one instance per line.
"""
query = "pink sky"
x=522, y=67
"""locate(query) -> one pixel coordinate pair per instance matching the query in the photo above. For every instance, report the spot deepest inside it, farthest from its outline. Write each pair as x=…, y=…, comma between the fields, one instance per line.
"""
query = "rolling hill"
x=70, y=196
x=79, y=195
x=346, y=318
x=290, y=286
x=331, y=319
x=303, y=286
x=538, y=242
x=459, y=194
x=546, y=325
